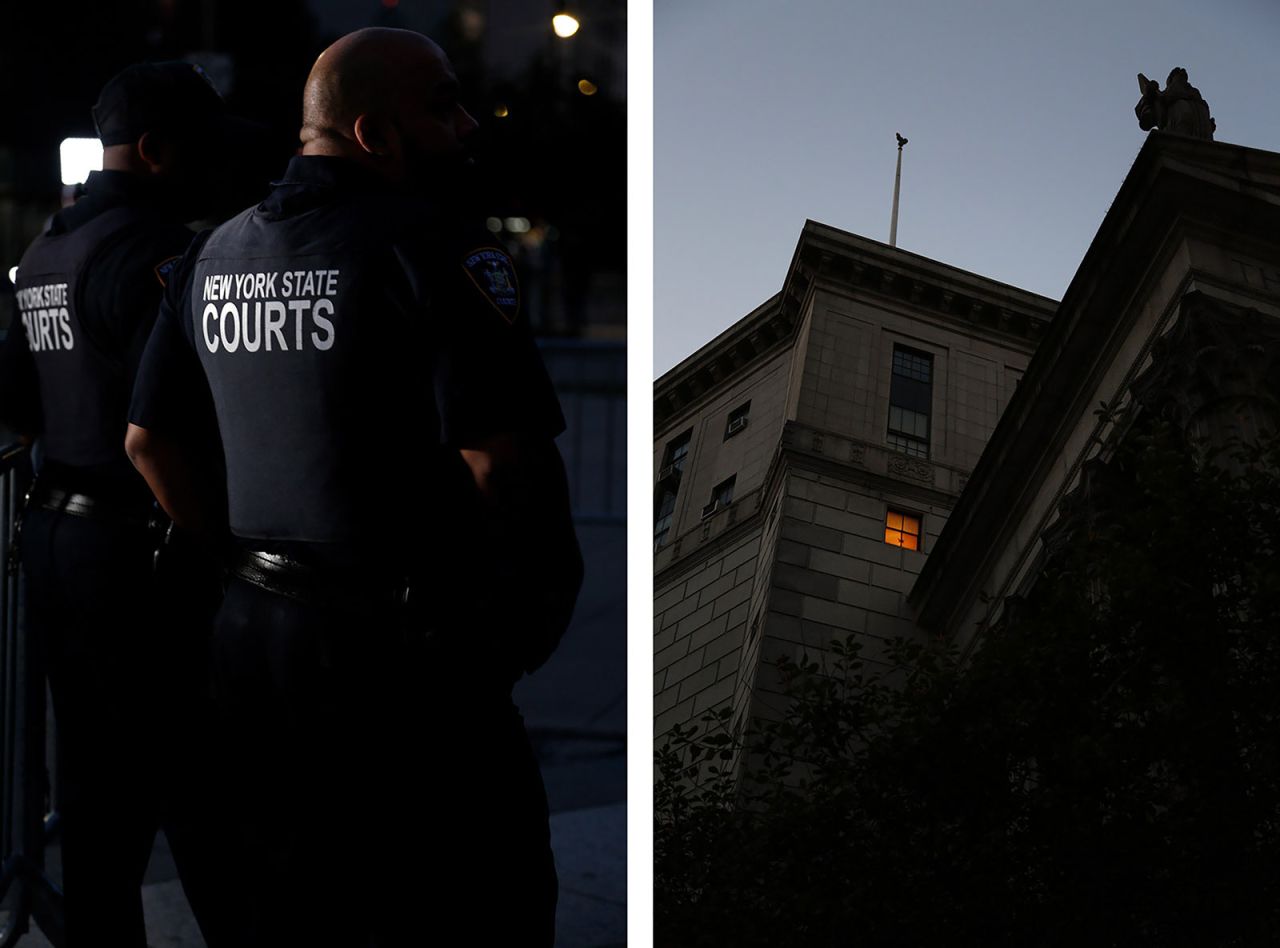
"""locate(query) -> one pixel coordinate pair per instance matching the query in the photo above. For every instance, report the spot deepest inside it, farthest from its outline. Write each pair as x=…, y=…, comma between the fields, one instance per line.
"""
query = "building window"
x=665, y=505
x=664, y=497
x=676, y=454
x=901, y=529
x=721, y=497
x=910, y=401
x=737, y=420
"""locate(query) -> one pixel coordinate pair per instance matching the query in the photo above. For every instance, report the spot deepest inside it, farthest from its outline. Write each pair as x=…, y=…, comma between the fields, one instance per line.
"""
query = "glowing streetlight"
x=587, y=87
x=500, y=111
x=565, y=24
x=78, y=157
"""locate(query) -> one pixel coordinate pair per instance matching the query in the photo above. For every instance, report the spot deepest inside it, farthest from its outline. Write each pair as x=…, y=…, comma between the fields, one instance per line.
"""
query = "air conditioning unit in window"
x=737, y=425
x=670, y=472
x=711, y=508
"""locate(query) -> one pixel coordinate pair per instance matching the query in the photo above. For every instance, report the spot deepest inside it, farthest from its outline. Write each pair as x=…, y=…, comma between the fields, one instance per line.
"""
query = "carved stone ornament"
x=1215, y=373
x=1081, y=506
x=913, y=468
x=1178, y=109
x=857, y=453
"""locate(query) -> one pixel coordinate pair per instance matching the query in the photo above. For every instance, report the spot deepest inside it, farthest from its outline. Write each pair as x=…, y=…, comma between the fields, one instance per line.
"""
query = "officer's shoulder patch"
x=494, y=275
x=165, y=267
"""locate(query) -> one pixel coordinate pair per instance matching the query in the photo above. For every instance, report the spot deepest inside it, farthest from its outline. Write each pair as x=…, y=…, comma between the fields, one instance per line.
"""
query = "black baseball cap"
x=173, y=96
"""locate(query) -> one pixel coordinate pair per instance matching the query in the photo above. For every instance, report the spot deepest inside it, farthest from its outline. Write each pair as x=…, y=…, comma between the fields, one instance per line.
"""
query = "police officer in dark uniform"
x=403, y=543
x=126, y=670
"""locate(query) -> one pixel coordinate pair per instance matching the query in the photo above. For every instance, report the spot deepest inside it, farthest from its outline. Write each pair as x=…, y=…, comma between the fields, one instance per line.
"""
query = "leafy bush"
x=1104, y=770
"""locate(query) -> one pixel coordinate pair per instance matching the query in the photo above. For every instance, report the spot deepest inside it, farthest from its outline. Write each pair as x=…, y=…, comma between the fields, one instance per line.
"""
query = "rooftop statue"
x=1179, y=108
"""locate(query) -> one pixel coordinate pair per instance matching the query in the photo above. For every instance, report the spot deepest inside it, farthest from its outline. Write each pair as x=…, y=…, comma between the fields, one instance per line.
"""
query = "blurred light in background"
x=494, y=224
x=587, y=87
x=79, y=156
x=500, y=111
x=13, y=275
x=471, y=23
x=517, y=225
x=564, y=24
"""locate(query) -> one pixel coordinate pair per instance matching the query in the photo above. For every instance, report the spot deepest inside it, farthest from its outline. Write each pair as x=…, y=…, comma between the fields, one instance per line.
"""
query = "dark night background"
x=557, y=159
x=552, y=170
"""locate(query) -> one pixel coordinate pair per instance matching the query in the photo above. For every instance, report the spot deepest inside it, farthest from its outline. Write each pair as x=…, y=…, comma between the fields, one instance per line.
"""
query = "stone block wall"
x=832, y=573
x=700, y=619
x=847, y=373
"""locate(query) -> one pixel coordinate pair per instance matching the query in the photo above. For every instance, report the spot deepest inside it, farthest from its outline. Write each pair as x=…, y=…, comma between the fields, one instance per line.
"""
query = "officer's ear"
x=154, y=151
x=376, y=135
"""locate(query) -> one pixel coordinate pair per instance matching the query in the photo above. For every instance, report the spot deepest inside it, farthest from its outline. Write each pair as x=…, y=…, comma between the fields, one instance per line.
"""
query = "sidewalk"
x=576, y=711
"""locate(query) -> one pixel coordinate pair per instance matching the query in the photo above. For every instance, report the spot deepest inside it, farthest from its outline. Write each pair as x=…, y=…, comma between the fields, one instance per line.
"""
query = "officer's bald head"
x=388, y=99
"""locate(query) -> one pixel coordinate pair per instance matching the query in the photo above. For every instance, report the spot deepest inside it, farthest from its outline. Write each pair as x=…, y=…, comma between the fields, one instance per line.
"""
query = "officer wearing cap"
x=125, y=672
x=403, y=544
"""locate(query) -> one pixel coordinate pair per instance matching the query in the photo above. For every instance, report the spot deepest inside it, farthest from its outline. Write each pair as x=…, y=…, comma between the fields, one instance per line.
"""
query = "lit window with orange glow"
x=902, y=530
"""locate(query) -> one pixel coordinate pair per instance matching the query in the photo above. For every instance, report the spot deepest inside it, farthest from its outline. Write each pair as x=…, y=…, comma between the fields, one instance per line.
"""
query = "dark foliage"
x=1105, y=770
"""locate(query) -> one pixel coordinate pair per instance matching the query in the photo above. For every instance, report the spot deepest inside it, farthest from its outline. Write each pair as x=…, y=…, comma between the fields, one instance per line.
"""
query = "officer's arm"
x=523, y=487
x=170, y=429
x=171, y=475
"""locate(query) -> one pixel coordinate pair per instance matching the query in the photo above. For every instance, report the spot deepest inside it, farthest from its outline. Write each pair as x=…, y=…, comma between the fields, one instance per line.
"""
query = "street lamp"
x=564, y=23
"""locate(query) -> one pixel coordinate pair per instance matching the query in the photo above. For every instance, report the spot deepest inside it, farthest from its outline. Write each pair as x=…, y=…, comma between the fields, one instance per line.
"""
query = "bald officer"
x=125, y=656
x=403, y=543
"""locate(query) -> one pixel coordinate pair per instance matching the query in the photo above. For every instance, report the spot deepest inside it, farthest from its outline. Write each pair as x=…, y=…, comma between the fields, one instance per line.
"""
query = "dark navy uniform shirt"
x=88, y=290
x=351, y=339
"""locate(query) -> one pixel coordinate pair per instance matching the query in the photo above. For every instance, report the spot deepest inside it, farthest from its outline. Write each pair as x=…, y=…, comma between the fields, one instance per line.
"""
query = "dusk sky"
x=1019, y=115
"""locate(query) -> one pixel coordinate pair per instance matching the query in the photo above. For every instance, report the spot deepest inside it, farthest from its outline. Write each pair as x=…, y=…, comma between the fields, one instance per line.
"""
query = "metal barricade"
x=24, y=825
x=590, y=376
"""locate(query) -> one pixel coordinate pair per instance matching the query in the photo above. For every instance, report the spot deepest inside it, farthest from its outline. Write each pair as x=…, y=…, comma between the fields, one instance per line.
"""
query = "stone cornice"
x=751, y=340
x=867, y=269
x=859, y=268
x=870, y=464
x=1174, y=184
x=709, y=536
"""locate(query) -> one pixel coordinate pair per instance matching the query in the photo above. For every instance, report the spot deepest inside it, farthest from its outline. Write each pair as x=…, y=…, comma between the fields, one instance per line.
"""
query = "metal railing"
x=590, y=376
x=25, y=824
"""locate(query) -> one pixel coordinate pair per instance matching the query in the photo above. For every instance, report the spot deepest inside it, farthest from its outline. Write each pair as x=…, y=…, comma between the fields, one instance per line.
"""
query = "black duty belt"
x=93, y=508
x=320, y=584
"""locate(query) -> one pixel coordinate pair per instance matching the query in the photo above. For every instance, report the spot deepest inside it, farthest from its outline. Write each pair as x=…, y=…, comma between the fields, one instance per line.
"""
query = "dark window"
x=664, y=506
x=737, y=420
x=902, y=529
x=664, y=498
x=721, y=497
x=910, y=401
x=677, y=452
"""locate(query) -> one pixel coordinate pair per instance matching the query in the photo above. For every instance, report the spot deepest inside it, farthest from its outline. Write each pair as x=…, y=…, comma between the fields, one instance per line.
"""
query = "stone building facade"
x=905, y=464
x=843, y=413
x=1175, y=309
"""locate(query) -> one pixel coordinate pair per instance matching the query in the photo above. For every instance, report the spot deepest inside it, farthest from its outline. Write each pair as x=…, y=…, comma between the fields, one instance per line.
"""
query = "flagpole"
x=897, y=184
